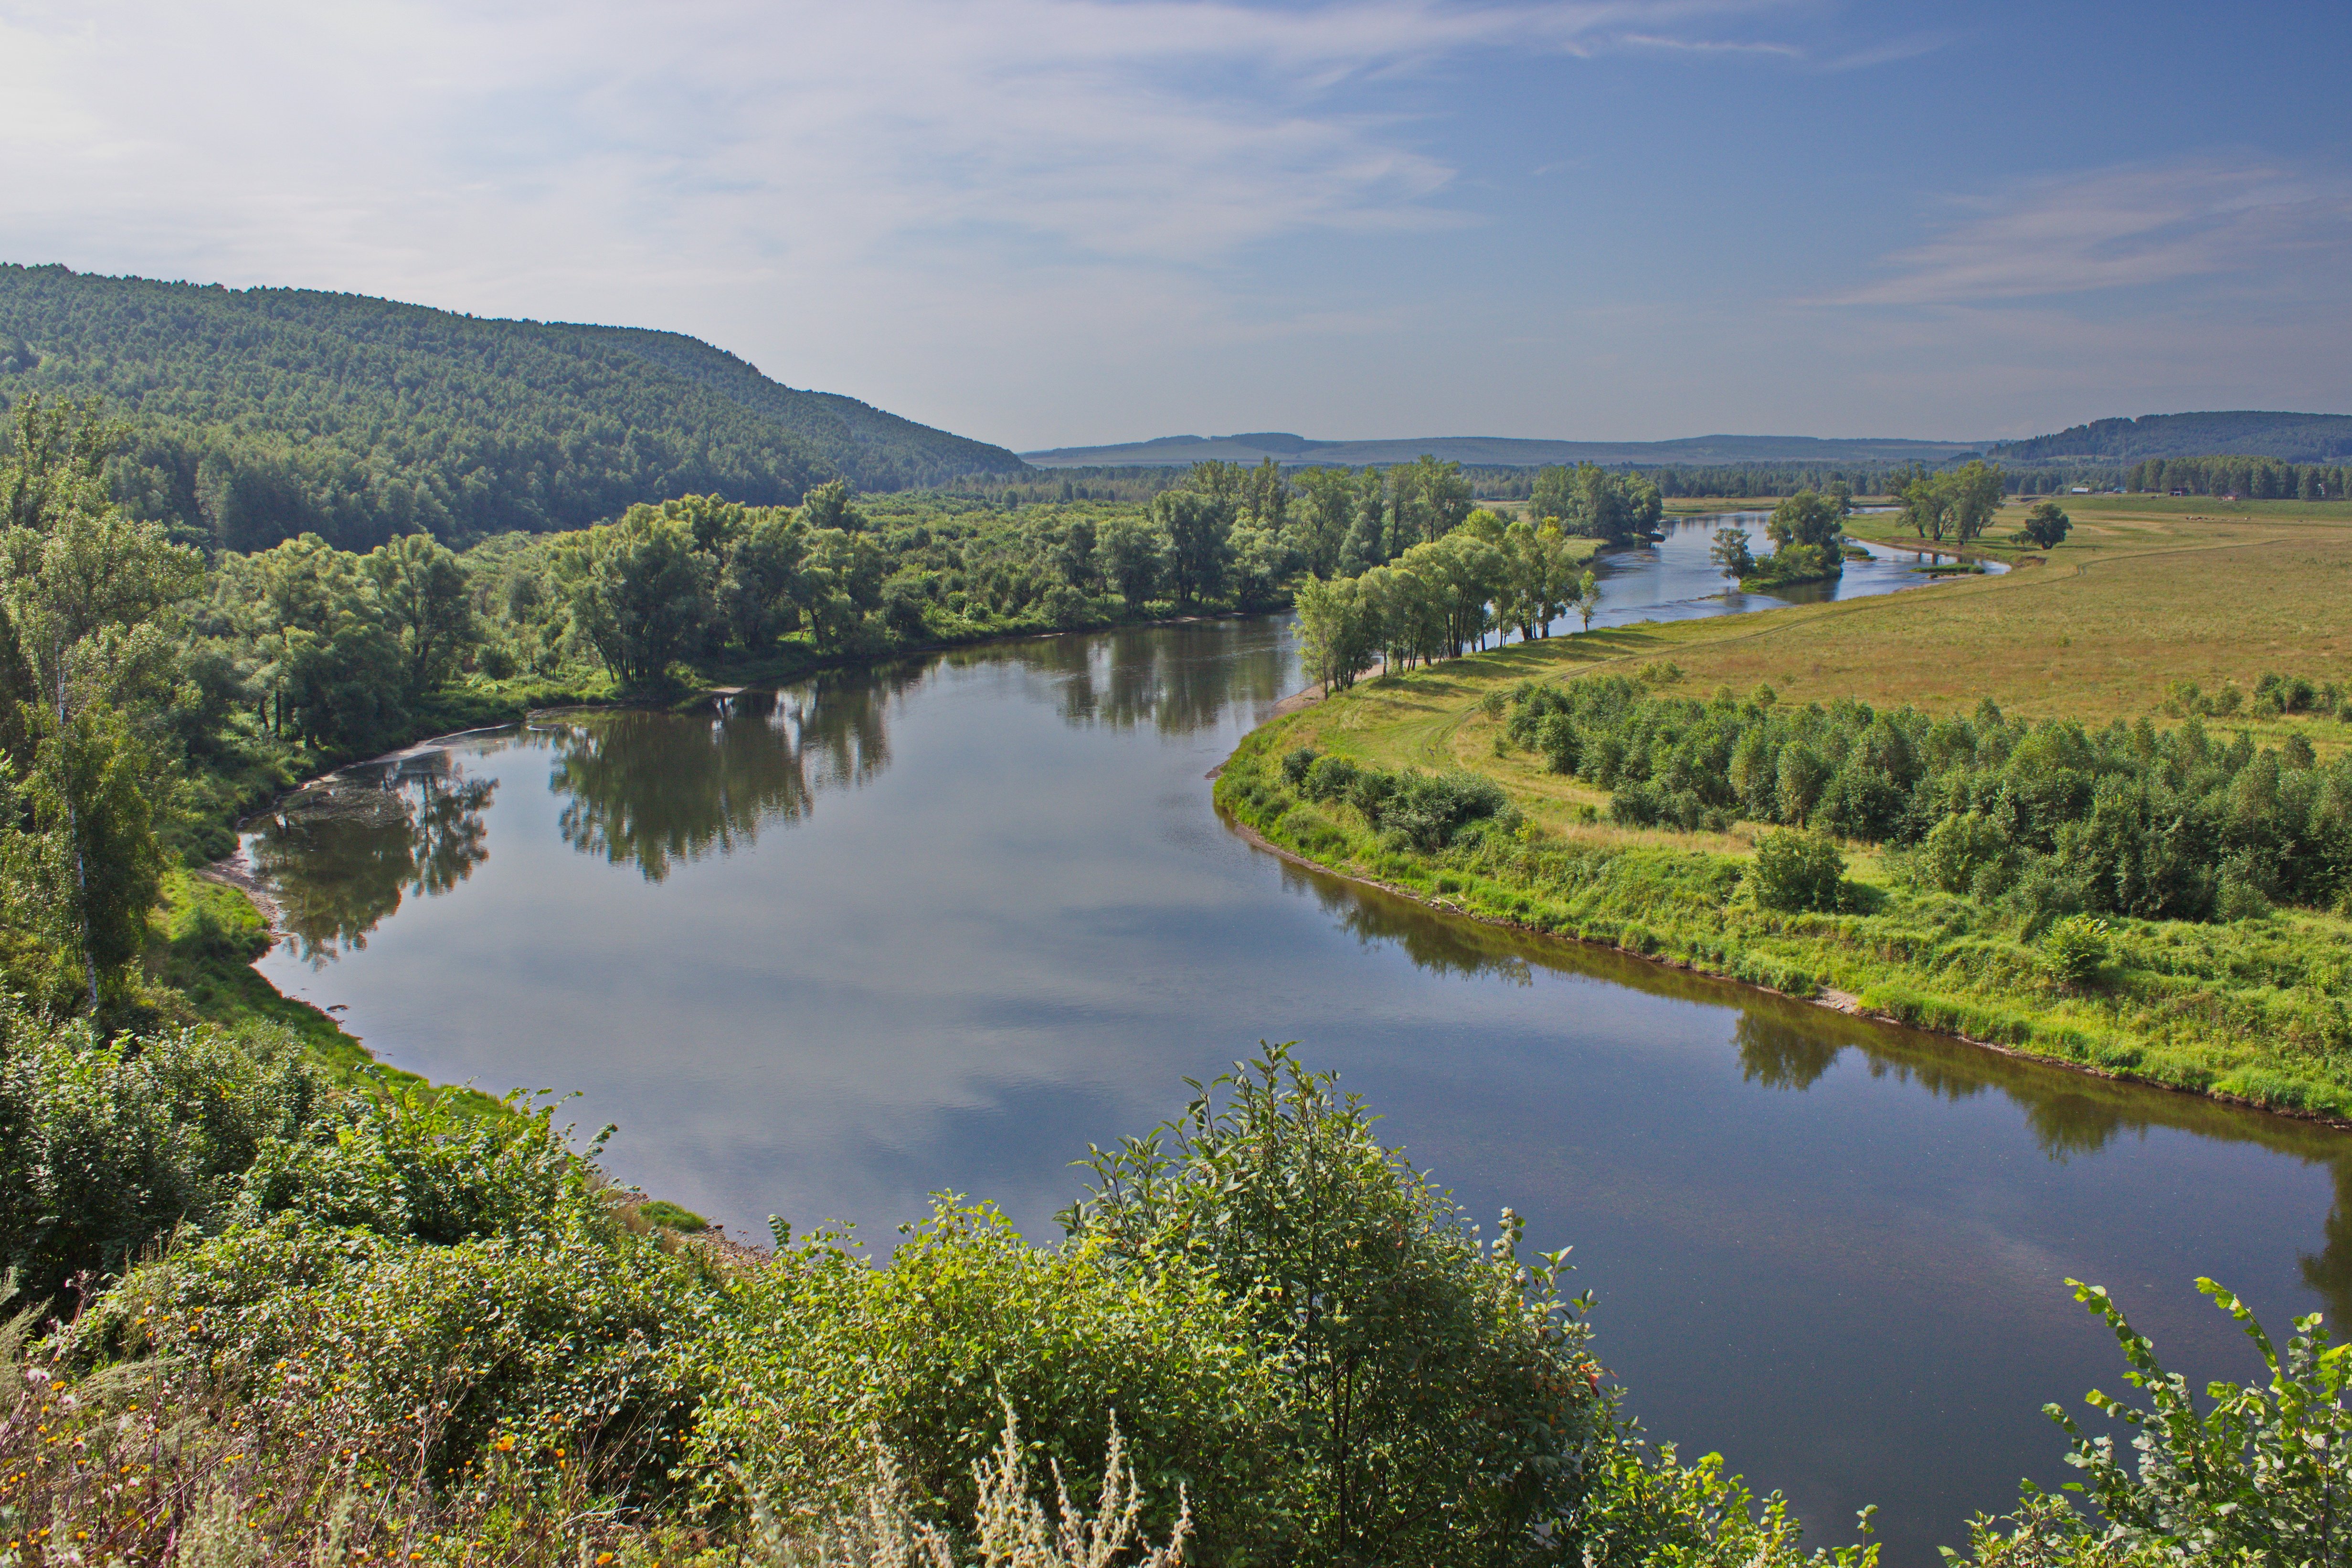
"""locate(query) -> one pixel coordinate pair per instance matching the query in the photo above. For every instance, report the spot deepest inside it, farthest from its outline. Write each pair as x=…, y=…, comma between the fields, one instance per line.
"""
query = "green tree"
x=640, y=593
x=1805, y=519
x=1199, y=528
x=1432, y=500
x=2046, y=525
x=828, y=506
x=1366, y=542
x=842, y=577
x=1438, y=1400
x=1730, y=551
x=760, y=585
x=1257, y=563
x=1337, y=631
x=1587, y=600
x=428, y=604
x=86, y=794
x=312, y=628
x=1329, y=498
x=1263, y=497
x=1590, y=502
x=1135, y=556
x=1977, y=490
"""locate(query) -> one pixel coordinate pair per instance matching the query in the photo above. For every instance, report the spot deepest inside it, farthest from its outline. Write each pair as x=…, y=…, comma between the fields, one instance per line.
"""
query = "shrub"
x=1295, y=766
x=832, y=1360
x=2259, y=1475
x=1436, y=1402
x=568, y=1341
x=1330, y=778
x=424, y=1164
x=1959, y=850
x=1797, y=871
x=2076, y=949
x=106, y=1147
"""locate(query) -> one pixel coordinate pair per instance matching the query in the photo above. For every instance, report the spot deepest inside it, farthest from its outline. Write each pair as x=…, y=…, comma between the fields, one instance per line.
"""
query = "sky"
x=1061, y=222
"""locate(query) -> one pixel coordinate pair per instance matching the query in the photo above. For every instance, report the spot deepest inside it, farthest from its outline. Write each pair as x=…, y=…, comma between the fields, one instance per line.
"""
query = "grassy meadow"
x=2146, y=593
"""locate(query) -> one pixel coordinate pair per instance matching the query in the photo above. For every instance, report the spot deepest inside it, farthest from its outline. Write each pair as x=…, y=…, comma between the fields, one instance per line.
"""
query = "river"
x=938, y=926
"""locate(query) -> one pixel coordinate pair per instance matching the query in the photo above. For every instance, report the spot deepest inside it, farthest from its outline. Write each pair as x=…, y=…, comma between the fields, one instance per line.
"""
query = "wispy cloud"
x=2129, y=228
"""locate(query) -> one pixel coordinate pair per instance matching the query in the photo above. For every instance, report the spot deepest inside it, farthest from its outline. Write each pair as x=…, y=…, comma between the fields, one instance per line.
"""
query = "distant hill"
x=1498, y=451
x=269, y=412
x=2290, y=438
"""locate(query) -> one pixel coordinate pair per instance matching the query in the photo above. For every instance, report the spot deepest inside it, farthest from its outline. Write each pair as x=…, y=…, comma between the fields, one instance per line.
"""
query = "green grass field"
x=2147, y=592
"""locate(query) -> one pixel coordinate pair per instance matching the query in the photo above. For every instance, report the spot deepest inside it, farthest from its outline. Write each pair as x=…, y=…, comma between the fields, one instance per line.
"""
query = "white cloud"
x=890, y=197
x=2129, y=228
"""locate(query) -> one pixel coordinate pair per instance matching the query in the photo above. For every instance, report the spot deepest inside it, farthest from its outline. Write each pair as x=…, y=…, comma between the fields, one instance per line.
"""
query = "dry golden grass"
x=2148, y=591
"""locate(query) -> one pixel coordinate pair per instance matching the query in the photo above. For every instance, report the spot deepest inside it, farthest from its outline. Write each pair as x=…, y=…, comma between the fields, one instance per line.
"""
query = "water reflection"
x=1174, y=679
x=1776, y=1054
x=1789, y=1046
x=342, y=853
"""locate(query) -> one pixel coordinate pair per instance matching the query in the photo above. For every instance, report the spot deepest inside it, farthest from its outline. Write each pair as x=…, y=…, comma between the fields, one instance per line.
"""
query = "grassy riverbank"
x=2145, y=595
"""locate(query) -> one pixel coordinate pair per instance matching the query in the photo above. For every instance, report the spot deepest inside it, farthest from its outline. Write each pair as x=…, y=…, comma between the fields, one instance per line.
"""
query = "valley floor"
x=2147, y=594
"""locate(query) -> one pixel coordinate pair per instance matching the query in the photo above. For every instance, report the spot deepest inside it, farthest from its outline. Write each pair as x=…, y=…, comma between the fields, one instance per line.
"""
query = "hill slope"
x=2290, y=437
x=269, y=412
x=1497, y=451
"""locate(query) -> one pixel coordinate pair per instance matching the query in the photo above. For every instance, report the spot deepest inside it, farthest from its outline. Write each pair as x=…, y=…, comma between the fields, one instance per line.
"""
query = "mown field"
x=2146, y=593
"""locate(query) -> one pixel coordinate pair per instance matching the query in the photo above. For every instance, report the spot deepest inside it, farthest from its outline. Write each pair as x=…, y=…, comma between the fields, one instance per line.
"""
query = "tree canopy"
x=258, y=415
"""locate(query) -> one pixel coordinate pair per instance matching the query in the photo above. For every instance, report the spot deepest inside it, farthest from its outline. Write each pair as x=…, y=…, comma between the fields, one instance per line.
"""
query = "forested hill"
x=266, y=413
x=2290, y=437
x=1499, y=451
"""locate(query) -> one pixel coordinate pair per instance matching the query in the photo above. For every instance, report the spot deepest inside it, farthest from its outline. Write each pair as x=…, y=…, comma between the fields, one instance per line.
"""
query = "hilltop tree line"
x=2250, y=479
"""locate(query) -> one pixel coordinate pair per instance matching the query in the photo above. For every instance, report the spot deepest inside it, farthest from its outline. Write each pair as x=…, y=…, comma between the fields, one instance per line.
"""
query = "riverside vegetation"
x=278, y=1305
x=295, y=1323
x=2155, y=888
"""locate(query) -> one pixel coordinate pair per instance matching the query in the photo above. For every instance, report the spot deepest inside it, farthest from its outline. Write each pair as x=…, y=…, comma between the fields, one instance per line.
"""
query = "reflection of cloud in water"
x=339, y=855
x=1789, y=1046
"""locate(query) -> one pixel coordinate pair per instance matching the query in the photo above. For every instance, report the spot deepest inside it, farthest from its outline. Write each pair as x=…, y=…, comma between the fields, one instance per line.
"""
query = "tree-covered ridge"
x=264, y=413
x=2295, y=437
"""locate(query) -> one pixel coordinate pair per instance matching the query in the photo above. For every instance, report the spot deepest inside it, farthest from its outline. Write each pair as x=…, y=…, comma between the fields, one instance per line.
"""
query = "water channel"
x=938, y=926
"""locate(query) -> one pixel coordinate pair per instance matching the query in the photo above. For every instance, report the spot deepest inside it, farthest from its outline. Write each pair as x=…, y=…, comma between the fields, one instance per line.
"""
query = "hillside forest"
x=256, y=416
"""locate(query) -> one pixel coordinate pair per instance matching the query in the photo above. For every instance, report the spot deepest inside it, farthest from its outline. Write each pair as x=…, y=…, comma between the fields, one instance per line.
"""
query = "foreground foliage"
x=318, y=1327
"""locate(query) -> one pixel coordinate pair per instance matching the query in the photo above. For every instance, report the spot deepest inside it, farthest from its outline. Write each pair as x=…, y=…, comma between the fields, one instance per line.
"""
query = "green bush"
x=567, y=1345
x=424, y=1164
x=108, y=1147
x=2076, y=949
x=1796, y=871
x=829, y=1355
x=1436, y=1403
x=2259, y=1475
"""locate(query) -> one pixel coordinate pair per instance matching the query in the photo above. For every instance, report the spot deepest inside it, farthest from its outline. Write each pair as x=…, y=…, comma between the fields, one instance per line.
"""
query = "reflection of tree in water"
x=2328, y=1272
x=1775, y=1053
x=1785, y=1044
x=655, y=789
x=339, y=855
x=1463, y=949
x=1177, y=679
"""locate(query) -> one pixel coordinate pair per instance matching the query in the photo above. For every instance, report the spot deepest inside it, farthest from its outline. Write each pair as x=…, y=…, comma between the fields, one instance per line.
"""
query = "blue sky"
x=1048, y=221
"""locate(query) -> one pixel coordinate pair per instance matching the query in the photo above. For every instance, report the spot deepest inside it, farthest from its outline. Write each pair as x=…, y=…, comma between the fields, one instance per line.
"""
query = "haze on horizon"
x=1052, y=223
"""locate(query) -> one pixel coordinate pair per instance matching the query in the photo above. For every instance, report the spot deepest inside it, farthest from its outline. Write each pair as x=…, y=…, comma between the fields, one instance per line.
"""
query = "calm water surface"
x=940, y=926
